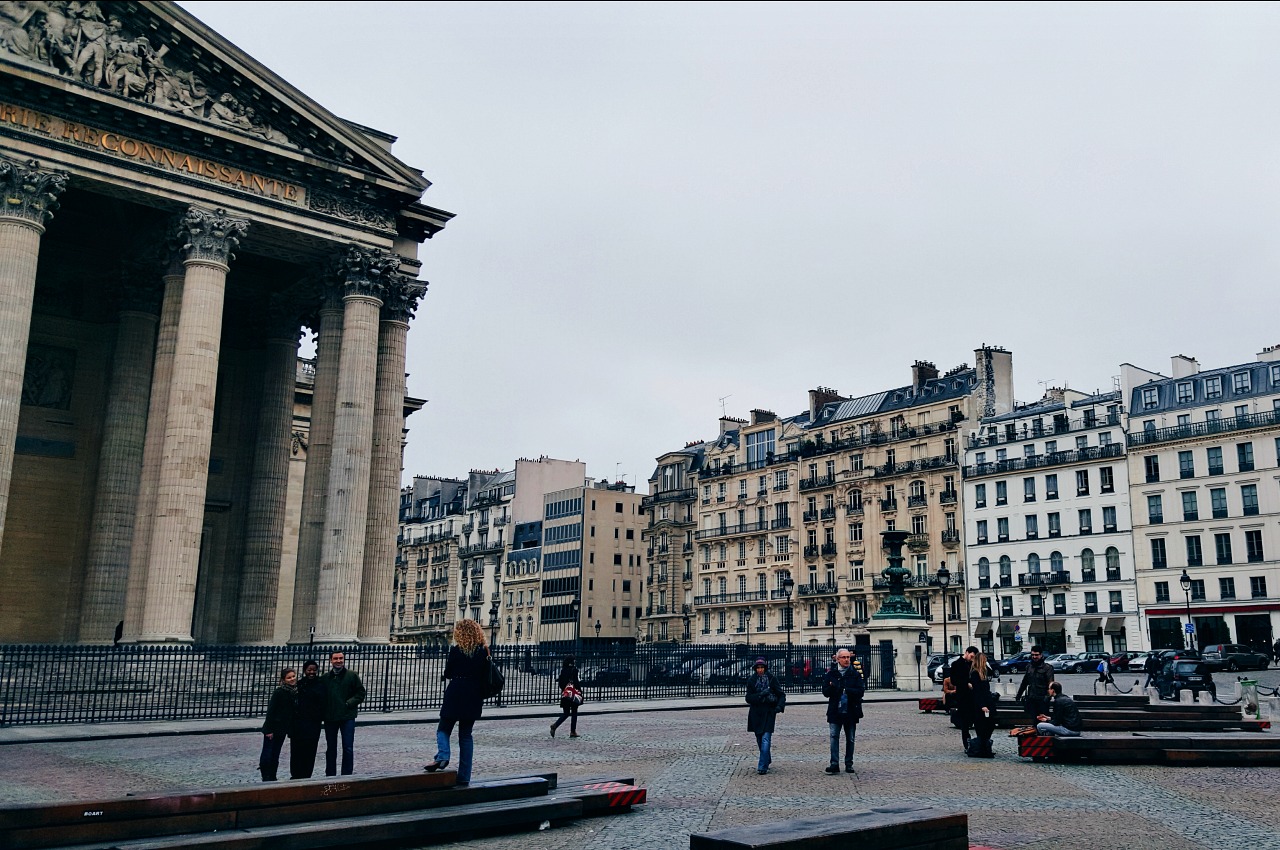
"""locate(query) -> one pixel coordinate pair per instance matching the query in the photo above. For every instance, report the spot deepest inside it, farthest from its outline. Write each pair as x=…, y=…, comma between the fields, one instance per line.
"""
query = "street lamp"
x=518, y=624
x=686, y=627
x=1185, y=581
x=574, y=607
x=597, y=634
x=788, y=584
x=944, y=581
x=493, y=623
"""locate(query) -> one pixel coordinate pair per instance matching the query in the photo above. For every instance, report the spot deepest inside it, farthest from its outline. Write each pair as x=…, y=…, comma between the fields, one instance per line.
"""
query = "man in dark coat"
x=308, y=721
x=1035, y=683
x=962, y=699
x=765, y=696
x=1151, y=667
x=1064, y=719
x=345, y=692
x=844, y=687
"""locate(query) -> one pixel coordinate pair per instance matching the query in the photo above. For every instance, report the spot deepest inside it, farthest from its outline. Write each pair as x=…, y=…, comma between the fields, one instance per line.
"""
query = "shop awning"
x=1114, y=625
x=1007, y=627
x=983, y=628
x=1047, y=627
x=1089, y=625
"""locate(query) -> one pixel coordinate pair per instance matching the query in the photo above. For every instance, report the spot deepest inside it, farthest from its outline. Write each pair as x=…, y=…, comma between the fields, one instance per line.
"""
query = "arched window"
x=1033, y=563
x=1113, y=559
x=1006, y=570
x=917, y=488
x=984, y=569
x=1055, y=561
x=1086, y=559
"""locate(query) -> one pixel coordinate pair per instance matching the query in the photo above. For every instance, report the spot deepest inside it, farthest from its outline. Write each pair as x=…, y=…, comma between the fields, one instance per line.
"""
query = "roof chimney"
x=921, y=371
x=1184, y=366
x=819, y=397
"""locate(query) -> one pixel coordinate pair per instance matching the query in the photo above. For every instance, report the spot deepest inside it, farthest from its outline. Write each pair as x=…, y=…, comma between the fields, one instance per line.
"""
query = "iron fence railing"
x=96, y=684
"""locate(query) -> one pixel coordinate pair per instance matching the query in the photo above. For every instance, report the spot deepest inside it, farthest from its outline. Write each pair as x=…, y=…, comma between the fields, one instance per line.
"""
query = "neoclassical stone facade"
x=175, y=216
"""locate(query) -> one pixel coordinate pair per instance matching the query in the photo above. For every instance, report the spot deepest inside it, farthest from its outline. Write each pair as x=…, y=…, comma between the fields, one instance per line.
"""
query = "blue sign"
x=1189, y=628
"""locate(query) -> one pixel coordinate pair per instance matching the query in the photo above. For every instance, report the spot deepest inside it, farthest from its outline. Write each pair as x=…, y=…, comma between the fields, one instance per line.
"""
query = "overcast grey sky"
x=660, y=205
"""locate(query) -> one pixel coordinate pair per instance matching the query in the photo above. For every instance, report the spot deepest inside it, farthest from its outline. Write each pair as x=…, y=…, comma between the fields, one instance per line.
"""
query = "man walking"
x=1064, y=720
x=1035, y=683
x=344, y=692
x=1151, y=667
x=844, y=688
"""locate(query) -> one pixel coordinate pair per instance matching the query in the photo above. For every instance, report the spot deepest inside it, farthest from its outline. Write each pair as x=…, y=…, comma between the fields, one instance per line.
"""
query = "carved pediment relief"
x=87, y=42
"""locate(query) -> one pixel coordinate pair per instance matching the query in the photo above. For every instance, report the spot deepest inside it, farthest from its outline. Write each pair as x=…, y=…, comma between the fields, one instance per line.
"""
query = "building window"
x=1087, y=572
x=1213, y=387
x=1002, y=529
x=1150, y=398
x=1109, y=519
x=984, y=606
x=1226, y=588
x=1184, y=419
x=1002, y=493
x=1105, y=438
x=1159, y=557
x=1249, y=499
x=1155, y=510
x=1186, y=465
x=1195, y=554
x=1082, y=482
x=1190, y=510
x=1037, y=605
x=1212, y=415
x=1214, y=455
x=1258, y=587
x=1116, y=601
x=1152, y=464
x=1082, y=442
x=982, y=531
x=980, y=495
x=1253, y=545
x=1222, y=544
x=1006, y=606
x=1086, y=521
x=1218, y=502
x=1028, y=489
x=1059, y=604
x=1055, y=524
x=1090, y=602
x=1184, y=392
x=1006, y=571
x=1051, y=486
x=1197, y=590
x=1162, y=591
x=1033, y=526
x=1107, y=481
x=1240, y=382
x=1244, y=454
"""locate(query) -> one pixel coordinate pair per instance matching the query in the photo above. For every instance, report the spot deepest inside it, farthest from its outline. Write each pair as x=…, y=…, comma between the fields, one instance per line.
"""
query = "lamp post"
x=1185, y=581
x=493, y=623
x=686, y=627
x=597, y=634
x=944, y=581
x=518, y=624
x=574, y=607
x=788, y=584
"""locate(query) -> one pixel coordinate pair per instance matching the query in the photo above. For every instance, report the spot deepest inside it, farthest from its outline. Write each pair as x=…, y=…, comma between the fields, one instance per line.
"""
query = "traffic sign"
x=924, y=637
x=1189, y=628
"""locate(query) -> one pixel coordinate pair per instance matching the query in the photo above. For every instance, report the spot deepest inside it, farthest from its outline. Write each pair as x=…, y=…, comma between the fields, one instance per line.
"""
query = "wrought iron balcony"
x=811, y=551
x=1044, y=579
x=827, y=513
x=686, y=494
x=810, y=516
x=918, y=542
x=782, y=522
x=731, y=598
x=854, y=510
x=440, y=582
x=828, y=549
x=921, y=465
x=950, y=536
x=1227, y=424
x=887, y=505
x=815, y=481
x=437, y=605
x=917, y=501
x=730, y=530
x=948, y=497
x=823, y=589
x=1019, y=464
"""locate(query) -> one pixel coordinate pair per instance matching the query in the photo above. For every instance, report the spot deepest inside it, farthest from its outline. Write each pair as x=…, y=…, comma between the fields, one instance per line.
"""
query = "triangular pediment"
x=156, y=57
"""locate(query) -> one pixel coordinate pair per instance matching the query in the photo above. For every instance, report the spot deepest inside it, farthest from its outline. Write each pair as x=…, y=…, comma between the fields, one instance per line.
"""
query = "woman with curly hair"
x=466, y=671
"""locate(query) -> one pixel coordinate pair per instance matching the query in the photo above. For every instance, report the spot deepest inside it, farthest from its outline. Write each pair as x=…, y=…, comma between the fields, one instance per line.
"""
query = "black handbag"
x=494, y=681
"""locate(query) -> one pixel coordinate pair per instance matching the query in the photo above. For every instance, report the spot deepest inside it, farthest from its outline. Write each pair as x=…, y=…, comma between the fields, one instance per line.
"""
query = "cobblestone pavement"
x=699, y=767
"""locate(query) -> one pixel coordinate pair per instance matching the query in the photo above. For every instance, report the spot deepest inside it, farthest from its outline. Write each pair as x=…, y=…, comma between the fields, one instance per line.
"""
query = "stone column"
x=152, y=450
x=365, y=275
x=115, y=501
x=29, y=198
x=174, y=560
x=315, y=477
x=269, y=487
x=386, y=462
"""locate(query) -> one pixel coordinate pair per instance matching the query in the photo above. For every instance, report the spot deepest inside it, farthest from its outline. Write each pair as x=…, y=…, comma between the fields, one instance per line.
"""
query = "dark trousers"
x=984, y=725
x=269, y=760
x=1036, y=706
x=570, y=714
x=348, y=730
x=303, y=743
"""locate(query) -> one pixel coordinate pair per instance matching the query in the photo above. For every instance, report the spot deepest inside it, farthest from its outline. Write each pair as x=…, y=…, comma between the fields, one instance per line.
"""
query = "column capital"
x=367, y=271
x=209, y=236
x=401, y=299
x=30, y=193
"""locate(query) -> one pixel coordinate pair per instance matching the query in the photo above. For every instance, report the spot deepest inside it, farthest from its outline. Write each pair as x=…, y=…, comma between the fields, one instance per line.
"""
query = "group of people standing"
x=844, y=687
x=301, y=708
x=971, y=702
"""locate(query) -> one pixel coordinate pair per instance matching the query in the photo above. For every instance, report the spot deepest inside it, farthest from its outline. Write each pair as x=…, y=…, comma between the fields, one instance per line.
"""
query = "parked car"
x=1174, y=654
x=1136, y=662
x=1178, y=675
x=616, y=674
x=1234, y=656
x=940, y=662
x=1123, y=662
x=1088, y=662
x=733, y=672
x=1067, y=663
x=1014, y=663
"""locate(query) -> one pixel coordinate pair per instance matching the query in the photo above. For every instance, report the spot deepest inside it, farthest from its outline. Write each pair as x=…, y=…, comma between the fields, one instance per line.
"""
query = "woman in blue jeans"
x=764, y=695
x=466, y=671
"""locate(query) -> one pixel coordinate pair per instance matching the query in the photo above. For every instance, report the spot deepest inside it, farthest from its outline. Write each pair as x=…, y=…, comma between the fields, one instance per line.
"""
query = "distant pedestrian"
x=844, y=687
x=1151, y=667
x=1275, y=652
x=1104, y=674
x=1063, y=719
x=1035, y=683
x=983, y=703
x=276, y=727
x=570, y=697
x=467, y=671
x=766, y=698
x=962, y=699
x=344, y=693
x=308, y=721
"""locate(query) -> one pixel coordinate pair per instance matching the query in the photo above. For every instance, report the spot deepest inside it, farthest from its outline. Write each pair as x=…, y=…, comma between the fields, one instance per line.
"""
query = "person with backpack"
x=468, y=672
x=844, y=687
x=767, y=700
x=1104, y=674
x=570, y=697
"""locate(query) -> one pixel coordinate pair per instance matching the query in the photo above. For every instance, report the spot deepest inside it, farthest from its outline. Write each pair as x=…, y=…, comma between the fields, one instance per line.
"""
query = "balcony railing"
x=731, y=598
x=921, y=465
x=1043, y=579
x=823, y=589
x=948, y=497
x=827, y=513
x=816, y=481
x=887, y=505
x=810, y=516
x=1202, y=429
x=685, y=495
x=1039, y=461
x=918, y=542
x=811, y=551
x=729, y=530
x=828, y=549
x=783, y=522
x=950, y=536
x=1058, y=427
x=917, y=501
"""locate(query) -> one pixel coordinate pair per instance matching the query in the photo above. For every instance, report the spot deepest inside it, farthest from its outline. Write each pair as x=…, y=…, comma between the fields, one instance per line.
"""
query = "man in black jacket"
x=962, y=699
x=1151, y=667
x=1064, y=721
x=1035, y=683
x=844, y=688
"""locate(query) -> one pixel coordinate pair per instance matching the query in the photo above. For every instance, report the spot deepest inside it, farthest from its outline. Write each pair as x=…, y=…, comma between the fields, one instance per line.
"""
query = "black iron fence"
x=96, y=684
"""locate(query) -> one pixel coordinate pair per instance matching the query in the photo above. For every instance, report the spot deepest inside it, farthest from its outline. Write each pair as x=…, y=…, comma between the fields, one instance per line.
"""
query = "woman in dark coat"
x=308, y=721
x=983, y=707
x=467, y=671
x=764, y=695
x=279, y=718
x=568, y=705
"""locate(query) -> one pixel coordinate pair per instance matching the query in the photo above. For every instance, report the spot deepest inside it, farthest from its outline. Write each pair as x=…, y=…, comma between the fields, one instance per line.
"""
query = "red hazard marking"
x=1266, y=724
x=606, y=786
x=1035, y=746
x=619, y=793
x=931, y=704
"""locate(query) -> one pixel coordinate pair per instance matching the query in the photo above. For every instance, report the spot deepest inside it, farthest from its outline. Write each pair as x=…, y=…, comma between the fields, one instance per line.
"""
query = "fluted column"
x=210, y=238
x=386, y=462
x=365, y=277
x=115, y=502
x=29, y=198
x=269, y=488
x=315, y=477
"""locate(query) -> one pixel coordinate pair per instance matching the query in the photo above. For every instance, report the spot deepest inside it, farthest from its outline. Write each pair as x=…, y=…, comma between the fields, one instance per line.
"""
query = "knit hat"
x=760, y=662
